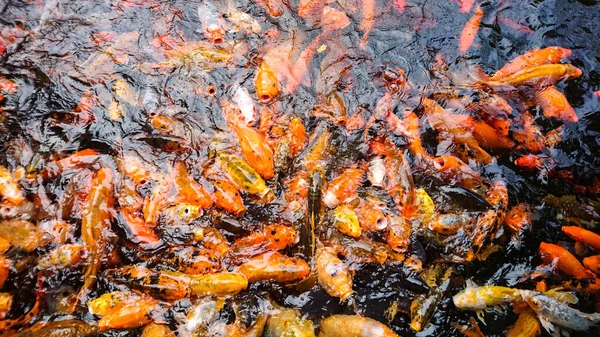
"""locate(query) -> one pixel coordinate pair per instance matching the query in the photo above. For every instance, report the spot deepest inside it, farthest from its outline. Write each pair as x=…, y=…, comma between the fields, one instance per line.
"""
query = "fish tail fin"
x=472, y=77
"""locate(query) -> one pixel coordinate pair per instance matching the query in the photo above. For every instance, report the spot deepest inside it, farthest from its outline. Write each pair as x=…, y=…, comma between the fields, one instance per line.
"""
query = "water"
x=58, y=53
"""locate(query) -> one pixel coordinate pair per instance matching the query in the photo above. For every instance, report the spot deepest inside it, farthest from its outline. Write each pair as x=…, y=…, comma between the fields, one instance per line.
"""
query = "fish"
x=266, y=83
x=582, y=235
x=532, y=58
x=219, y=284
x=563, y=261
x=9, y=187
x=243, y=174
x=157, y=330
x=343, y=188
x=241, y=97
x=190, y=260
x=443, y=122
x=538, y=76
x=592, y=263
x=255, y=150
x=481, y=298
x=288, y=322
x=527, y=325
x=274, y=266
x=242, y=21
x=366, y=25
x=298, y=138
x=272, y=237
x=452, y=171
x=308, y=232
x=213, y=25
x=333, y=274
x=469, y=32
x=22, y=234
x=65, y=328
x=555, y=104
x=353, y=326
x=6, y=300
x=228, y=198
x=64, y=256
x=552, y=312
x=346, y=221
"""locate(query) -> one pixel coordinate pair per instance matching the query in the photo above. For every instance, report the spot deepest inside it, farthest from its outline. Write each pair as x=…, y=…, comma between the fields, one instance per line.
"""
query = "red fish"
x=399, y=5
x=533, y=58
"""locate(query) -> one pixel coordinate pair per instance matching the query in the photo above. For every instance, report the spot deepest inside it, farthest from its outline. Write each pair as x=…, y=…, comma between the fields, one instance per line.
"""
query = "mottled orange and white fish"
x=467, y=35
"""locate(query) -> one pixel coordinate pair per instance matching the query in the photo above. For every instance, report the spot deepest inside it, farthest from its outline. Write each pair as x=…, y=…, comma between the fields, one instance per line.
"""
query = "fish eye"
x=536, y=302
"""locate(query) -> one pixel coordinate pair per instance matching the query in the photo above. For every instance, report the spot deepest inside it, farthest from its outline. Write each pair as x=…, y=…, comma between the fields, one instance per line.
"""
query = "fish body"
x=66, y=328
x=213, y=25
x=530, y=59
x=564, y=261
x=481, y=298
x=539, y=76
x=243, y=174
x=273, y=266
x=582, y=235
x=255, y=150
x=346, y=221
x=353, y=326
x=555, y=104
x=527, y=325
x=469, y=32
x=343, y=188
x=553, y=312
x=228, y=197
x=333, y=274
x=9, y=187
x=266, y=83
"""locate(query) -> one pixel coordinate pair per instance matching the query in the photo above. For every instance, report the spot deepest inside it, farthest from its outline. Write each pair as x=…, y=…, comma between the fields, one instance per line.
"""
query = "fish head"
x=468, y=299
x=541, y=304
x=573, y=72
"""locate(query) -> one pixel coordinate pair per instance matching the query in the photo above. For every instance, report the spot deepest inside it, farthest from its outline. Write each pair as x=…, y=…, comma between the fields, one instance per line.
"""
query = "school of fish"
x=190, y=237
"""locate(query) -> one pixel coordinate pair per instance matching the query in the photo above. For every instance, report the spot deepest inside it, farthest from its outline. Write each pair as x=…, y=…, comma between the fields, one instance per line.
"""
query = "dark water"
x=52, y=47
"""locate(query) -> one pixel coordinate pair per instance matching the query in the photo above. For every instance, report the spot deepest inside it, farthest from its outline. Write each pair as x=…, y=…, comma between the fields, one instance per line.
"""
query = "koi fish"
x=213, y=25
x=468, y=33
x=552, y=312
x=333, y=274
x=532, y=58
x=564, y=261
x=353, y=325
x=582, y=235
x=555, y=104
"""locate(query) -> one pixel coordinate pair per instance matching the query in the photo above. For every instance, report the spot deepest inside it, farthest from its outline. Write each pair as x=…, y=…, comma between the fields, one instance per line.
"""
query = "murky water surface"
x=152, y=83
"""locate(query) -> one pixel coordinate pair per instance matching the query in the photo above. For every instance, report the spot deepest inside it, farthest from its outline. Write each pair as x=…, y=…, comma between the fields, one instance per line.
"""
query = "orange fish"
x=255, y=149
x=310, y=8
x=453, y=170
x=95, y=226
x=368, y=13
x=273, y=266
x=467, y=36
x=5, y=266
x=189, y=190
x=273, y=7
x=530, y=59
x=530, y=135
x=370, y=217
x=555, y=104
x=77, y=160
x=138, y=230
x=343, y=187
x=564, y=261
x=582, y=235
x=486, y=135
x=272, y=237
x=530, y=162
x=298, y=137
x=7, y=86
x=266, y=83
x=592, y=263
x=518, y=217
x=443, y=122
x=228, y=197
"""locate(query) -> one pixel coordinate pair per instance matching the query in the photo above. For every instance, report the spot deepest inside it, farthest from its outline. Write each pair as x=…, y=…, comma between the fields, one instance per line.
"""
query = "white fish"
x=241, y=97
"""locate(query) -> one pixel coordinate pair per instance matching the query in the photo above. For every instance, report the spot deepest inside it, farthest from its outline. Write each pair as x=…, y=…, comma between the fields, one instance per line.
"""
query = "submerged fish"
x=553, y=312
